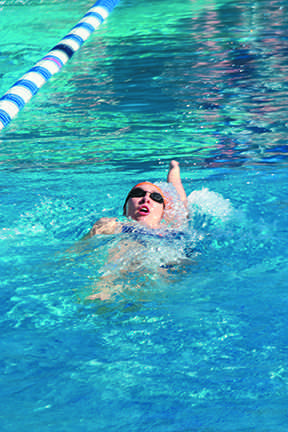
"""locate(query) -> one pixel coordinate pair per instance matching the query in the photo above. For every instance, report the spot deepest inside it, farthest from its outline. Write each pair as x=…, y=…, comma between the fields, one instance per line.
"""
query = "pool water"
x=203, y=347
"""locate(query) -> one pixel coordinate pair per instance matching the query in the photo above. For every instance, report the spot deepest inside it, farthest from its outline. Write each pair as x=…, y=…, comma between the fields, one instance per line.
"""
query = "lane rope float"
x=28, y=85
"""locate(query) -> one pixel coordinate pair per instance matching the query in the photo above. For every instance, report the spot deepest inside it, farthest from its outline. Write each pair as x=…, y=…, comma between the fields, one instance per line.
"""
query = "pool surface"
x=203, y=346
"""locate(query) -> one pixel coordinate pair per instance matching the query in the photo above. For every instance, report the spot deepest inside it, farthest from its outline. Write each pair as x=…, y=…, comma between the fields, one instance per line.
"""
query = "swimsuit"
x=178, y=239
x=156, y=233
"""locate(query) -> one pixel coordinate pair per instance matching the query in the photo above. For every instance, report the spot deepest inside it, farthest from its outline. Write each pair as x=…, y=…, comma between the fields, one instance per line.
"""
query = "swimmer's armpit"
x=104, y=226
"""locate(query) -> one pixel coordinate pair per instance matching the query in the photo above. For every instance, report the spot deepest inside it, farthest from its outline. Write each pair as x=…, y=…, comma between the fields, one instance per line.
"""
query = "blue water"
x=202, y=348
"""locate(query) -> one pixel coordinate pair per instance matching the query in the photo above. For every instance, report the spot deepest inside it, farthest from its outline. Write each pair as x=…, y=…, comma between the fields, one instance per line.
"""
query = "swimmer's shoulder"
x=105, y=225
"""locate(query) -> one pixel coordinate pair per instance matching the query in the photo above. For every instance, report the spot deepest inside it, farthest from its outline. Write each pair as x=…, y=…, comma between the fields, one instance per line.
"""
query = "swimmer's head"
x=145, y=203
x=139, y=190
x=172, y=212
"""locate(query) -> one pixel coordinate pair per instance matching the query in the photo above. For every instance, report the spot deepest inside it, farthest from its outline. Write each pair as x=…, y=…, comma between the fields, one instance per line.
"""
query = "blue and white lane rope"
x=27, y=86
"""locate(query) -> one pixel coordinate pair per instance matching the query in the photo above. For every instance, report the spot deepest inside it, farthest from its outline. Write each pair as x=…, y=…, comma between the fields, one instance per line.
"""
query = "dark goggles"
x=140, y=193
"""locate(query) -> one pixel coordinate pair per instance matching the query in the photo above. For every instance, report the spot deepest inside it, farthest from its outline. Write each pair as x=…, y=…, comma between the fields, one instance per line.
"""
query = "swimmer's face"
x=145, y=209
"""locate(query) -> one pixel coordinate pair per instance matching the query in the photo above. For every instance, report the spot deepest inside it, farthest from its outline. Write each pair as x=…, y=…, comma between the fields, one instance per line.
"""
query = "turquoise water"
x=203, y=348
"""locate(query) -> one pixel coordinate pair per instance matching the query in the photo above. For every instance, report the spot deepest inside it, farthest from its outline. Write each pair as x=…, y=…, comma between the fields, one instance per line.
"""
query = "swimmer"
x=150, y=211
x=146, y=204
x=158, y=236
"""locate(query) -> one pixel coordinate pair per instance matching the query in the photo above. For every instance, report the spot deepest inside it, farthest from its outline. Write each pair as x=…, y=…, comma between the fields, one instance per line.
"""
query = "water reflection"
x=212, y=89
x=223, y=70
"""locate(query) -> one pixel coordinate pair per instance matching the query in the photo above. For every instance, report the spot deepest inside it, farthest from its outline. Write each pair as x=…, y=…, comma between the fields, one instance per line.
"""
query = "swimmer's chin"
x=141, y=220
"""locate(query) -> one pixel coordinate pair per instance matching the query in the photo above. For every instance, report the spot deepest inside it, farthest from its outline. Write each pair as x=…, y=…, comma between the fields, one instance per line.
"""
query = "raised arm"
x=175, y=179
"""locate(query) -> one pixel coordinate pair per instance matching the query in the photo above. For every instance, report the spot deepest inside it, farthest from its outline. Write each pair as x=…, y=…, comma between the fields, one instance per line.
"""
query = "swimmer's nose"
x=146, y=198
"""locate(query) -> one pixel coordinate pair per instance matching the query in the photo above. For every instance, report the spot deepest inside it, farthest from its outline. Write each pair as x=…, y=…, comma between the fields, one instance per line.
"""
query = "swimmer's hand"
x=104, y=225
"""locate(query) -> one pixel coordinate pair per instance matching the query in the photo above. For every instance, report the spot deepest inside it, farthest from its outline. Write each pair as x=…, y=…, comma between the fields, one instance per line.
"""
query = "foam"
x=209, y=205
